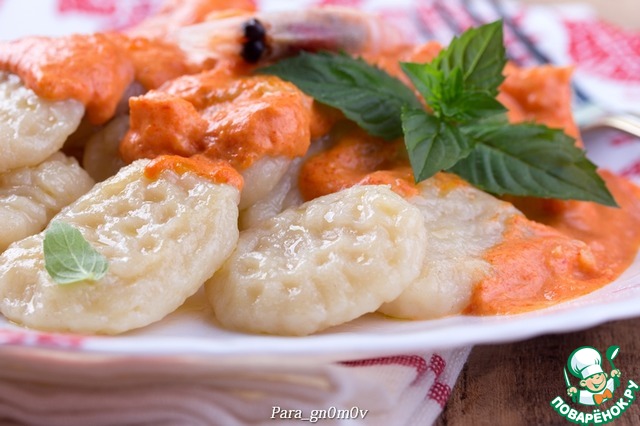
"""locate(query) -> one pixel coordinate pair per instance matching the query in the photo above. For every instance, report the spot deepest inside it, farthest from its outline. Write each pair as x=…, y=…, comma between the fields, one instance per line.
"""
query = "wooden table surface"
x=513, y=384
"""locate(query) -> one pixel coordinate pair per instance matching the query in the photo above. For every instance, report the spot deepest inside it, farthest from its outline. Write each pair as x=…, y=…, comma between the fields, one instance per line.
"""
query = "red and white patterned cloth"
x=402, y=389
x=57, y=389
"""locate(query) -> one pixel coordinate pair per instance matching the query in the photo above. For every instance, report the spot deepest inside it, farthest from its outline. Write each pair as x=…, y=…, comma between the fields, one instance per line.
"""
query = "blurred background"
x=17, y=19
x=625, y=13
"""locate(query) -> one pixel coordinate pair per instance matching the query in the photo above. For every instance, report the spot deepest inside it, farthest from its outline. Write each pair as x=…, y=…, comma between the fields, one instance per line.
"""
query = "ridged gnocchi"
x=163, y=238
x=31, y=196
x=32, y=128
x=462, y=223
x=324, y=263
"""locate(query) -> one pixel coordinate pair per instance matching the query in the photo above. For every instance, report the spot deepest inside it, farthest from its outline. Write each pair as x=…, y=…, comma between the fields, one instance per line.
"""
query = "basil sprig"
x=69, y=258
x=365, y=94
x=465, y=131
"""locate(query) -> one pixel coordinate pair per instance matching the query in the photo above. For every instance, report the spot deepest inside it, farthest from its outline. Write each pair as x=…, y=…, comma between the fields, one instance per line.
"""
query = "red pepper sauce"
x=217, y=171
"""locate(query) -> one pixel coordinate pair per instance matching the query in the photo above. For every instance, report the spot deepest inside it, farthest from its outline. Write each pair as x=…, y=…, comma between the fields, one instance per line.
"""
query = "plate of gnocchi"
x=242, y=184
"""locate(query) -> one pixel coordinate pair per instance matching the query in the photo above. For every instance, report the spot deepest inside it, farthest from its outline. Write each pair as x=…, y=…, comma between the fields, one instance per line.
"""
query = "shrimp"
x=264, y=37
x=31, y=196
x=175, y=14
x=258, y=122
x=324, y=263
x=163, y=236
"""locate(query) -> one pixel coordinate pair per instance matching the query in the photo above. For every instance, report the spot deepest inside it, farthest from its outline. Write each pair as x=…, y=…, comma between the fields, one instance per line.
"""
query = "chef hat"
x=585, y=362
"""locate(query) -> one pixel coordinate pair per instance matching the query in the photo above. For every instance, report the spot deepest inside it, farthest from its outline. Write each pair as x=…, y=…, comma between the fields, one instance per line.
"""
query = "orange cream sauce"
x=390, y=61
x=238, y=119
x=155, y=61
x=578, y=248
x=198, y=122
x=217, y=171
x=356, y=158
x=172, y=123
x=573, y=247
x=541, y=94
x=89, y=68
x=96, y=69
x=93, y=69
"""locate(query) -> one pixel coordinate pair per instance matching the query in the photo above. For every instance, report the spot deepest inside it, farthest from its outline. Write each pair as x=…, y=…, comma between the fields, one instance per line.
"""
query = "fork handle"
x=626, y=122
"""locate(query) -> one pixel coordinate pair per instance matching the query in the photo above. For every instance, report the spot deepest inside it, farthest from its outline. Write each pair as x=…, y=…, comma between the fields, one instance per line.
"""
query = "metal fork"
x=588, y=115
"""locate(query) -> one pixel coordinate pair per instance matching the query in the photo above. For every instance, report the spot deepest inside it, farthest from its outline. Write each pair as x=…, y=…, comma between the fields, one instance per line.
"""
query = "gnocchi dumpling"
x=462, y=223
x=324, y=263
x=261, y=177
x=31, y=196
x=163, y=238
x=281, y=196
x=101, y=158
x=32, y=128
x=284, y=194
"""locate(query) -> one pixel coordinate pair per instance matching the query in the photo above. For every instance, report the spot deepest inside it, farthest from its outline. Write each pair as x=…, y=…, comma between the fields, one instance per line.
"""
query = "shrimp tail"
x=265, y=37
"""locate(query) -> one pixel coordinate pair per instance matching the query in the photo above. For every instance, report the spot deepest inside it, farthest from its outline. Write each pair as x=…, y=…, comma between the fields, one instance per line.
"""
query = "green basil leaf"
x=427, y=80
x=432, y=144
x=480, y=54
x=474, y=106
x=468, y=133
x=462, y=82
x=531, y=160
x=69, y=258
x=365, y=94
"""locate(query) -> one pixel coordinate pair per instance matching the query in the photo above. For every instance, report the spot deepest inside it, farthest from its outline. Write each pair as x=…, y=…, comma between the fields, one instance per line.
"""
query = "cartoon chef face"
x=595, y=383
x=585, y=363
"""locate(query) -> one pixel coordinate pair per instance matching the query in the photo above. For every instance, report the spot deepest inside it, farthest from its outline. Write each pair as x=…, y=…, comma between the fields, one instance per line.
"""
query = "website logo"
x=595, y=388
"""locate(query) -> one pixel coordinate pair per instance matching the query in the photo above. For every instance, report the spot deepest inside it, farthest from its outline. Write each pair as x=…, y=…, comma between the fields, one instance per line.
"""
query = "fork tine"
x=520, y=36
x=433, y=23
x=588, y=116
x=519, y=40
x=448, y=18
x=628, y=123
x=456, y=24
x=579, y=95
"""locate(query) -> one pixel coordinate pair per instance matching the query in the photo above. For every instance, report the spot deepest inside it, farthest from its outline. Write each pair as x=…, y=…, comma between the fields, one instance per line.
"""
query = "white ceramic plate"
x=191, y=331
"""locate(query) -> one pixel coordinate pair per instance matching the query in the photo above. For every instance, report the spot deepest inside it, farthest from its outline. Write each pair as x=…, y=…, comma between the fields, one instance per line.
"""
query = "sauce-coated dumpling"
x=462, y=223
x=324, y=263
x=163, y=238
x=30, y=196
x=32, y=128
